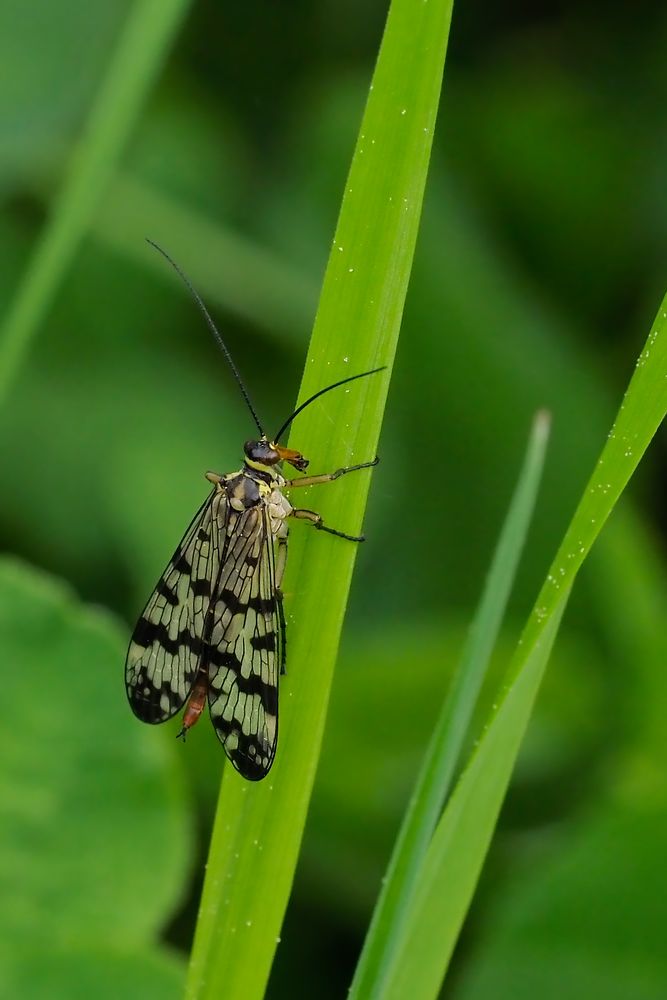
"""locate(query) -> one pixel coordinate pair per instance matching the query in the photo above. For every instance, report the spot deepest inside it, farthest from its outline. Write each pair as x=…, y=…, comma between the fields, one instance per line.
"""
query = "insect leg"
x=316, y=521
x=281, y=560
x=328, y=477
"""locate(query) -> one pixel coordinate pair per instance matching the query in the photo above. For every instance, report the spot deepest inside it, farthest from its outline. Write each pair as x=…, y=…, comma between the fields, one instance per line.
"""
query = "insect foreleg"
x=316, y=521
x=328, y=477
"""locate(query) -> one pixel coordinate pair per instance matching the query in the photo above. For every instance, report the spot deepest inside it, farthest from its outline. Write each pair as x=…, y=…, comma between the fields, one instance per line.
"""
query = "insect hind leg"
x=316, y=521
x=281, y=560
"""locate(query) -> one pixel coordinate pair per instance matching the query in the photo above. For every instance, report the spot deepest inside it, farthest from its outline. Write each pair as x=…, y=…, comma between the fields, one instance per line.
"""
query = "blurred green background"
x=540, y=264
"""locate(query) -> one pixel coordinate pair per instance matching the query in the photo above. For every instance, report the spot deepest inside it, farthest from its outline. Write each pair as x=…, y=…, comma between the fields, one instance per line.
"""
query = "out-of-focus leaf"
x=246, y=278
x=587, y=914
x=40, y=100
x=138, y=54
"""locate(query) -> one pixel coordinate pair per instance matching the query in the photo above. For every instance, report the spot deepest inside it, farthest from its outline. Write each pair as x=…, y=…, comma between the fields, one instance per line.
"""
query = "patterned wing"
x=166, y=645
x=244, y=647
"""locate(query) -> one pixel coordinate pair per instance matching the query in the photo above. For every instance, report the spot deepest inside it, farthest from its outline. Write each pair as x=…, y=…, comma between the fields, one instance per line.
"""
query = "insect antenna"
x=214, y=330
x=321, y=392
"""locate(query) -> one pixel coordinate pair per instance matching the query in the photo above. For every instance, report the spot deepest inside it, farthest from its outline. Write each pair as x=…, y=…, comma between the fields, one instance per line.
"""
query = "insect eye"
x=261, y=451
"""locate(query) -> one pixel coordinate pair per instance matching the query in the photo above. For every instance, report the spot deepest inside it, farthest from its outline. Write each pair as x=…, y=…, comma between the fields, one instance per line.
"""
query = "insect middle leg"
x=316, y=521
x=327, y=477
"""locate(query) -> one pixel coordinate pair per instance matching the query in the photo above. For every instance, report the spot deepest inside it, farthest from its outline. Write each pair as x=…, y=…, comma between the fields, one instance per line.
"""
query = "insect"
x=214, y=627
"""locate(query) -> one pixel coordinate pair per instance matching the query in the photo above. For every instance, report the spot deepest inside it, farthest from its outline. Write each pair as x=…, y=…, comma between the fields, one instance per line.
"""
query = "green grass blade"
x=258, y=828
x=146, y=38
x=456, y=854
x=452, y=726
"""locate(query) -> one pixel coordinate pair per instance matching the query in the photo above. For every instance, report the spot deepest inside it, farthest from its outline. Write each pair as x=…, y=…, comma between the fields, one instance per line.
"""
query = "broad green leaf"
x=94, y=826
x=75, y=972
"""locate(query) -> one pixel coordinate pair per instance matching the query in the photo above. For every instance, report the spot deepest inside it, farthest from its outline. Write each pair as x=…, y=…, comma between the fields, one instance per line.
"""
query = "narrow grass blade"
x=455, y=856
x=150, y=28
x=452, y=726
x=258, y=829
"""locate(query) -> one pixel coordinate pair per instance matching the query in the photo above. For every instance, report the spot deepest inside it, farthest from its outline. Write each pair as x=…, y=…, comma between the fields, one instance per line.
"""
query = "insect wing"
x=166, y=645
x=245, y=641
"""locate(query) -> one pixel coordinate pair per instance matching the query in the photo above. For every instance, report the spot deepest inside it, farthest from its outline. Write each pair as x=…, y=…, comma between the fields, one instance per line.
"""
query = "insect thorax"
x=252, y=487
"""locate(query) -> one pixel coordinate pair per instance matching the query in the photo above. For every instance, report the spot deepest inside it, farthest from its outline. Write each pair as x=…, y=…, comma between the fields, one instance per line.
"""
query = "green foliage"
x=442, y=891
x=539, y=263
x=405, y=872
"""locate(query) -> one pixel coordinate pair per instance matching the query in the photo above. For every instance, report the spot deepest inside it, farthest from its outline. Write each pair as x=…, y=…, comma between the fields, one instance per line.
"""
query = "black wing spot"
x=218, y=657
x=251, y=761
x=146, y=633
x=264, y=642
x=201, y=587
x=183, y=565
x=263, y=605
x=164, y=590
